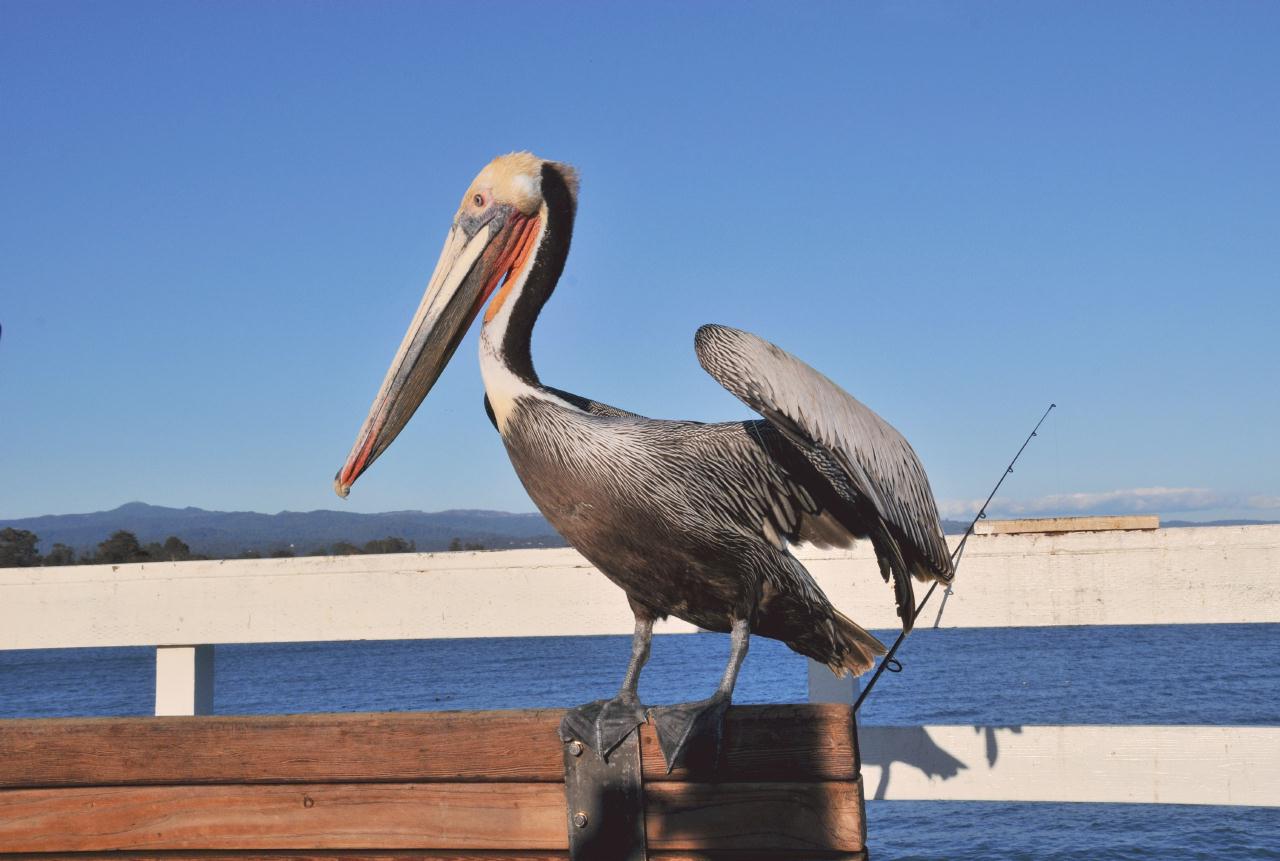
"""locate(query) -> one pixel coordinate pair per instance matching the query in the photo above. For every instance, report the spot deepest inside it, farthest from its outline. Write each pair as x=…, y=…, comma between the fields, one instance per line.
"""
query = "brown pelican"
x=692, y=520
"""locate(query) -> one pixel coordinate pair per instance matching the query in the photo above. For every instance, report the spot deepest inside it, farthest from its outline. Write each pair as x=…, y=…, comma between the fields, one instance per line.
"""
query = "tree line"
x=20, y=548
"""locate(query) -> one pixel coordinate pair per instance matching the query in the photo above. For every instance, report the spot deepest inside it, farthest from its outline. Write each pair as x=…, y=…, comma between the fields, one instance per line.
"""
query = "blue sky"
x=217, y=218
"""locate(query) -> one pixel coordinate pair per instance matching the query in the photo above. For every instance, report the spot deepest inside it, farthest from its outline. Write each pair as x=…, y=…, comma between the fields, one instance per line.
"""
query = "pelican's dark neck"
x=545, y=268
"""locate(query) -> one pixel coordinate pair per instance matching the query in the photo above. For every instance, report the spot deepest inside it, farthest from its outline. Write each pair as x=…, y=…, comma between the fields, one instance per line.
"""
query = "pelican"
x=692, y=520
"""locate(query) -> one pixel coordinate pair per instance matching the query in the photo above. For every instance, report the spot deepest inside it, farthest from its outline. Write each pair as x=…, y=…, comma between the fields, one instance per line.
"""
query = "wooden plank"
x=1207, y=575
x=762, y=743
x=743, y=817
x=1066, y=524
x=1124, y=764
x=679, y=816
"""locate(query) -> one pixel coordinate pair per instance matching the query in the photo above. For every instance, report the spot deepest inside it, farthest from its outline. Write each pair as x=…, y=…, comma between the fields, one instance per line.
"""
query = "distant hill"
x=228, y=533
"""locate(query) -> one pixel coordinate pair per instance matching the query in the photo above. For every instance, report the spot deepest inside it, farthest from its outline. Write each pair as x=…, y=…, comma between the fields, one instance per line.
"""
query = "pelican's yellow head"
x=515, y=180
x=492, y=242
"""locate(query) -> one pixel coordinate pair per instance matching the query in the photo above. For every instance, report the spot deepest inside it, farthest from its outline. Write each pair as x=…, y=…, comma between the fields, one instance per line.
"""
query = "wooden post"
x=184, y=680
x=826, y=687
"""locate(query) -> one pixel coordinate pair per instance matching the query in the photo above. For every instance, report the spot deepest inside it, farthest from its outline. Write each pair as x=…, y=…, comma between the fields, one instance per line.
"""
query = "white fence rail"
x=1168, y=576
x=1235, y=765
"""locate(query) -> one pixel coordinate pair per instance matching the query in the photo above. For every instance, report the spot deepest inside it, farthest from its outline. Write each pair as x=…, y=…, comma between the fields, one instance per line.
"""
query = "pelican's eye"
x=478, y=200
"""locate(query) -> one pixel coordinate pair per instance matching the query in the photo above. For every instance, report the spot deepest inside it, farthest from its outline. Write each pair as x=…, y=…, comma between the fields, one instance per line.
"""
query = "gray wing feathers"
x=842, y=438
x=587, y=405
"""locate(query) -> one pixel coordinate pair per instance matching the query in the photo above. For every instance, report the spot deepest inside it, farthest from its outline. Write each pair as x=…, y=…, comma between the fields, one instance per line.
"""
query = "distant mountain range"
x=229, y=533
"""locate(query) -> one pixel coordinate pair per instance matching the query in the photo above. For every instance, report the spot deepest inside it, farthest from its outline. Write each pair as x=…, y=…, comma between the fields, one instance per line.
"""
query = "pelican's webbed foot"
x=679, y=725
x=602, y=725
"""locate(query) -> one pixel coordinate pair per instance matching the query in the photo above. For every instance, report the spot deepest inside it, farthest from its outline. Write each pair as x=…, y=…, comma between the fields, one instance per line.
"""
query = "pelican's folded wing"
x=864, y=458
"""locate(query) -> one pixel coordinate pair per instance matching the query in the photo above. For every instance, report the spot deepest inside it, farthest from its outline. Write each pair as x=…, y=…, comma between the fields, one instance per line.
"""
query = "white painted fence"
x=1197, y=576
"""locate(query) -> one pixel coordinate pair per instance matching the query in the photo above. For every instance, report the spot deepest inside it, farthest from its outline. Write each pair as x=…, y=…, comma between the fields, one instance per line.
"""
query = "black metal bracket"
x=604, y=801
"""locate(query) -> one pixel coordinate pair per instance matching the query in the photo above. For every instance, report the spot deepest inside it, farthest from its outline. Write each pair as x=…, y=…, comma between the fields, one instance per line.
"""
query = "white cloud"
x=1137, y=500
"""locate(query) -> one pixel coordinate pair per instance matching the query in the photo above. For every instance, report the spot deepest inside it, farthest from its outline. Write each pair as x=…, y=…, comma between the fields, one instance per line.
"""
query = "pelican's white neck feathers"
x=502, y=385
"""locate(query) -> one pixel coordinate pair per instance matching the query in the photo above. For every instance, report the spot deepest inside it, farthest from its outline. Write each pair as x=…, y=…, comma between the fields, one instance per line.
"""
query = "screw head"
x=575, y=748
x=580, y=819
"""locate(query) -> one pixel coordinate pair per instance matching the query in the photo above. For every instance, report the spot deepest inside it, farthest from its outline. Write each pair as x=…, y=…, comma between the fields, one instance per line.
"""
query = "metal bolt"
x=575, y=748
x=580, y=819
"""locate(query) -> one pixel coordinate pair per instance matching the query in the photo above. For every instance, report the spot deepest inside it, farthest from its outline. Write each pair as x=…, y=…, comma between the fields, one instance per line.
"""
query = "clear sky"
x=216, y=220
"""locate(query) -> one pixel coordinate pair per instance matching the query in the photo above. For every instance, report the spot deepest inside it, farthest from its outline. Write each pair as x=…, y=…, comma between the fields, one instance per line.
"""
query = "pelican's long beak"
x=470, y=267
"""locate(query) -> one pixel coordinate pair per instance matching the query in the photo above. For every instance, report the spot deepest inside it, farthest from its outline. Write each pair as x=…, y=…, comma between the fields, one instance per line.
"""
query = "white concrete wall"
x=1205, y=575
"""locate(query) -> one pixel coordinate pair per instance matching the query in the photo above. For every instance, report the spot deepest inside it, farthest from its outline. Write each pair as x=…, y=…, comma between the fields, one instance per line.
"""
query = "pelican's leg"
x=678, y=725
x=605, y=723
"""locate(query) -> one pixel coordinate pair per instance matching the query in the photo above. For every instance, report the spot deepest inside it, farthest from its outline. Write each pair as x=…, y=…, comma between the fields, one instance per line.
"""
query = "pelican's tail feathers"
x=856, y=647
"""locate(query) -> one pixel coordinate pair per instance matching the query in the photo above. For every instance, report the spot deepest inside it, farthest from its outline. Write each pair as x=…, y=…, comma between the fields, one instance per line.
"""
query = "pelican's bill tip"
x=339, y=487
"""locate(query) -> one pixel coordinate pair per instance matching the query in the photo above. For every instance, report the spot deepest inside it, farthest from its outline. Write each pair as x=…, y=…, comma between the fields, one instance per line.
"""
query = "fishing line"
x=890, y=663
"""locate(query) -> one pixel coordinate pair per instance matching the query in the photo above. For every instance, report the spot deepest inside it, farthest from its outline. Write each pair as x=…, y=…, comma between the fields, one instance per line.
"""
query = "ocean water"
x=1207, y=674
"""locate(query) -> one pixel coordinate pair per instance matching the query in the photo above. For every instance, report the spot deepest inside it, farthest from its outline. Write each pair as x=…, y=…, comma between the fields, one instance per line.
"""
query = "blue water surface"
x=1206, y=674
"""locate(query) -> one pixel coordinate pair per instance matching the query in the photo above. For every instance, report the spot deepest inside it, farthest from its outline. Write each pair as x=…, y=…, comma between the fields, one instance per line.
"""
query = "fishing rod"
x=889, y=662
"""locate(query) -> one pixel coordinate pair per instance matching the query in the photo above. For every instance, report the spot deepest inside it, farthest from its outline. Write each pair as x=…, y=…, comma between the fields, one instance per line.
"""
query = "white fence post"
x=824, y=687
x=184, y=680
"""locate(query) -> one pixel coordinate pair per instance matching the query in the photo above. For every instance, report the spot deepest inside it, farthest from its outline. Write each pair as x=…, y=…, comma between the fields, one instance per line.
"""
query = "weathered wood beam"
x=1066, y=524
x=762, y=743
x=510, y=816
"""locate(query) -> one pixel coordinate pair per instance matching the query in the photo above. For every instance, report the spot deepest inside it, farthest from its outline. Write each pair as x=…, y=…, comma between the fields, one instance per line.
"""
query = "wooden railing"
x=447, y=785
x=1166, y=576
